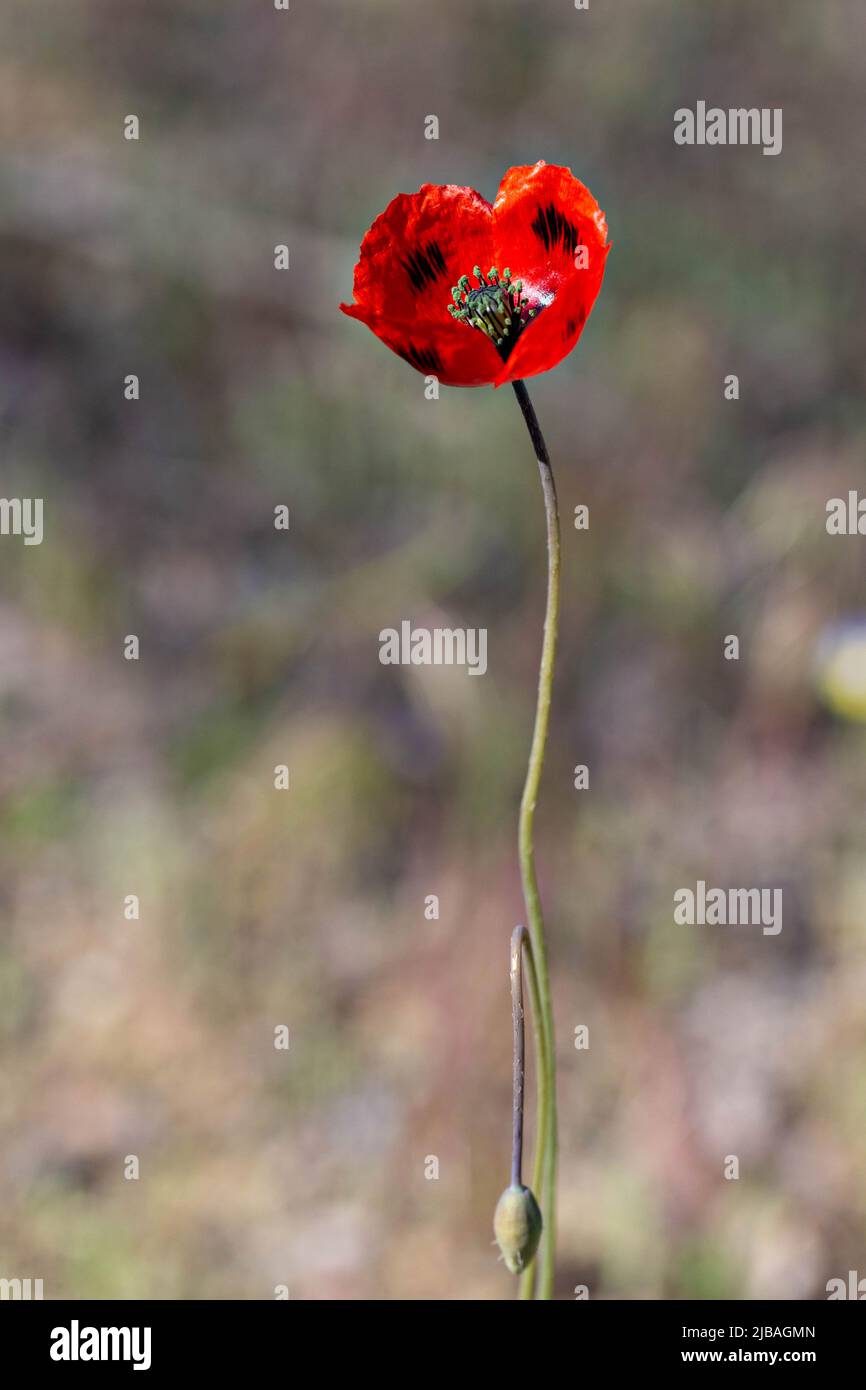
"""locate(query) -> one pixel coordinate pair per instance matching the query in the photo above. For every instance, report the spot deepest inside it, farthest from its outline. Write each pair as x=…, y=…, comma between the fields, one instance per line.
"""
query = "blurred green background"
x=306, y=908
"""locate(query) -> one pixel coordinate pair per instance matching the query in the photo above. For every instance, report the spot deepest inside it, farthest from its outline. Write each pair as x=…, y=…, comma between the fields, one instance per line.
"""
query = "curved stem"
x=521, y=944
x=546, y=1141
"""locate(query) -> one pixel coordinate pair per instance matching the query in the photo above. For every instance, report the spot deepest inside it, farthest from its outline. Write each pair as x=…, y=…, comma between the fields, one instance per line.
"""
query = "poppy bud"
x=517, y=1226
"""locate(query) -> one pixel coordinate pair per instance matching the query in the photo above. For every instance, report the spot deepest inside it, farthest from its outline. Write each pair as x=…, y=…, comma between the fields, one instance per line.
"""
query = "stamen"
x=497, y=306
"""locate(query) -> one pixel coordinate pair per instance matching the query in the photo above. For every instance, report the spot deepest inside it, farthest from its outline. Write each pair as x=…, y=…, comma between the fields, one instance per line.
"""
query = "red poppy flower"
x=414, y=282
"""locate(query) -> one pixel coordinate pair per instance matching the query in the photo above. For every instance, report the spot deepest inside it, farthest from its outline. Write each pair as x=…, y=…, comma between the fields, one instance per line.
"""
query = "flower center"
x=497, y=306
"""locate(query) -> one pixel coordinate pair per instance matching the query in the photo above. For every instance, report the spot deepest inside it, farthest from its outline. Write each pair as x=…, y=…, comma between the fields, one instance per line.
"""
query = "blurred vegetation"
x=306, y=908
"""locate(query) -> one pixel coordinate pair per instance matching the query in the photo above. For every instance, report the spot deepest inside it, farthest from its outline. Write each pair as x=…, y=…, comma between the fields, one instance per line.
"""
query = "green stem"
x=527, y=1278
x=518, y=937
x=546, y=1139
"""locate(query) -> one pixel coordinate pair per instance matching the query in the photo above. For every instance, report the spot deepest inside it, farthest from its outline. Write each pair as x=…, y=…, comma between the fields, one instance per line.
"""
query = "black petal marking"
x=426, y=360
x=553, y=228
x=425, y=266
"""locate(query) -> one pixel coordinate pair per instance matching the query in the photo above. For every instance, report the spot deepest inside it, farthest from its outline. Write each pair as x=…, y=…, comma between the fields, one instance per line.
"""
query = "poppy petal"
x=419, y=247
x=550, y=230
x=455, y=354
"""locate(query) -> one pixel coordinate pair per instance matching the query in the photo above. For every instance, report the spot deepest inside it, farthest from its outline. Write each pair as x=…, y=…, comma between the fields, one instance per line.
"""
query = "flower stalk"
x=544, y=1178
